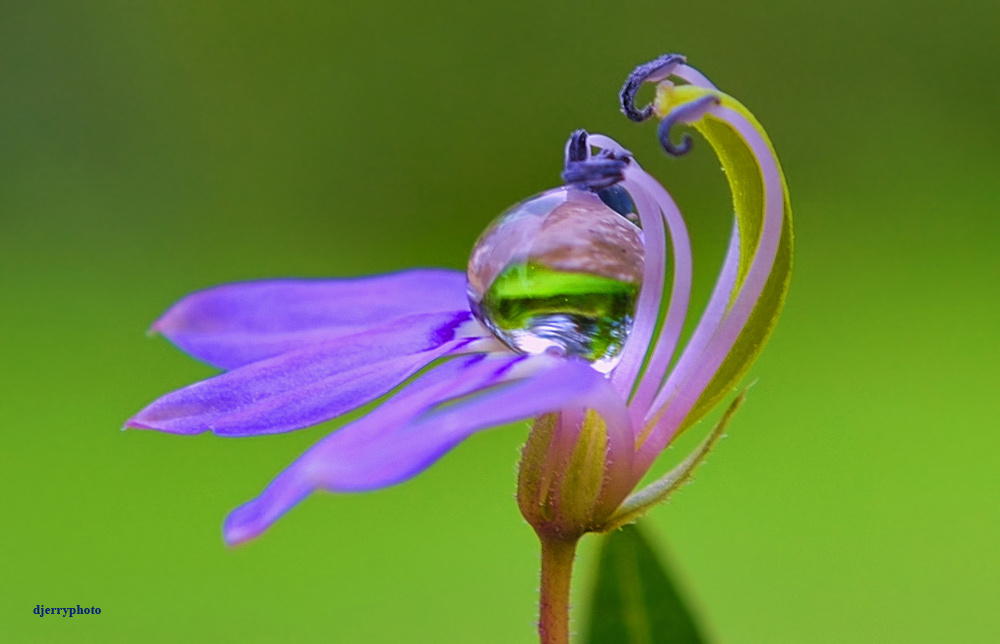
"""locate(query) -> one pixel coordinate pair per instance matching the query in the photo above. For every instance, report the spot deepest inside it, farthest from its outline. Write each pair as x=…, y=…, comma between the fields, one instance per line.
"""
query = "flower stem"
x=553, y=601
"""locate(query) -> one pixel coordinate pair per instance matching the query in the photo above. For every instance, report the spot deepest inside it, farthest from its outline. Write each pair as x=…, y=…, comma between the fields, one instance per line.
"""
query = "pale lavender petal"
x=680, y=296
x=692, y=76
x=428, y=418
x=722, y=295
x=236, y=324
x=307, y=386
x=694, y=380
x=607, y=143
x=647, y=307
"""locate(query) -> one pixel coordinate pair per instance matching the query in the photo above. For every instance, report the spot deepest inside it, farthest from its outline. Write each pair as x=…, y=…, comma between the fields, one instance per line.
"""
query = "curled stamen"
x=591, y=172
x=682, y=114
x=652, y=72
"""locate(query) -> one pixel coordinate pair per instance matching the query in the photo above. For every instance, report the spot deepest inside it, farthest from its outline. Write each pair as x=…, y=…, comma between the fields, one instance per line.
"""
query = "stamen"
x=680, y=294
x=651, y=72
x=682, y=114
x=693, y=373
x=692, y=76
x=576, y=147
x=591, y=172
x=595, y=174
x=608, y=146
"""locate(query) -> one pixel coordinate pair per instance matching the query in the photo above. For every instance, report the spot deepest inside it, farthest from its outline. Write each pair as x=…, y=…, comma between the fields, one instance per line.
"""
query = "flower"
x=601, y=379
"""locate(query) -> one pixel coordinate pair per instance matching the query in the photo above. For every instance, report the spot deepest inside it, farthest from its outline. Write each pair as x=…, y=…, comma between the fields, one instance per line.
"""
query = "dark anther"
x=653, y=71
x=594, y=174
x=591, y=172
x=576, y=149
x=680, y=114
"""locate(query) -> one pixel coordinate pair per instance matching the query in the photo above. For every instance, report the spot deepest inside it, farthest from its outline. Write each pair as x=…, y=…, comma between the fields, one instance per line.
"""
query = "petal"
x=308, y=386
x=425, y=420
x=692, y=76
x=709, y=369
x=680, y=293
x=647, y=307
x=236, y=324
x=715, y=311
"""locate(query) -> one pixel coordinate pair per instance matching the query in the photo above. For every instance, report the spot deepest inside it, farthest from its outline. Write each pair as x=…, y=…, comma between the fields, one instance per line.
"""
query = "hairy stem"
x=553, y=601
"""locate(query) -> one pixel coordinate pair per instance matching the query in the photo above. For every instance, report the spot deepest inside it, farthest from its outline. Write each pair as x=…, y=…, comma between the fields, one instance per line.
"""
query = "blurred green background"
x=151, y=149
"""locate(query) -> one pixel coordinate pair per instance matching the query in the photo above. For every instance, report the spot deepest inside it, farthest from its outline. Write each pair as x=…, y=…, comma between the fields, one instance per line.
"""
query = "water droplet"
x=560, y=273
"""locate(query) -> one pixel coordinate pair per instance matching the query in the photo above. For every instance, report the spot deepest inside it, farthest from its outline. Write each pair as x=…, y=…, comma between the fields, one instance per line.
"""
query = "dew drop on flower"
x=560, y=273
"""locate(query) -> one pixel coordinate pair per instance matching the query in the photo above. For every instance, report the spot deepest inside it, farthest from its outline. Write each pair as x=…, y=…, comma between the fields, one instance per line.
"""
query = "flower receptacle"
x=563, y=473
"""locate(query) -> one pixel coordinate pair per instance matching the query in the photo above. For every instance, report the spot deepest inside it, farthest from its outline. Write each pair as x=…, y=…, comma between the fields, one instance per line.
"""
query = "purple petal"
x=715, y=310
x=692, y=76
x=428, y=418
x=647, y=308
x=680, y=295
x=236, y=324
x=693, y=378
x=307, y=386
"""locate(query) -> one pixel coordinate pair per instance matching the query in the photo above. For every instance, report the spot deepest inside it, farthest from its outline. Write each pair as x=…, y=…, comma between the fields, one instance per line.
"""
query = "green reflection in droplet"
x=534, y=308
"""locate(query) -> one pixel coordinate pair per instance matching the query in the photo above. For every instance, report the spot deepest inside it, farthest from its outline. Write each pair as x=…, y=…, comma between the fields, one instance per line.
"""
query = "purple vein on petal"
x=428, y=418
x=307, y=386
x=236, y=324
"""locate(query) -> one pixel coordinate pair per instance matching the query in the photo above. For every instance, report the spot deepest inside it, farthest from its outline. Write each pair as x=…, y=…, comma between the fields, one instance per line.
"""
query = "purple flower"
x=558, y=318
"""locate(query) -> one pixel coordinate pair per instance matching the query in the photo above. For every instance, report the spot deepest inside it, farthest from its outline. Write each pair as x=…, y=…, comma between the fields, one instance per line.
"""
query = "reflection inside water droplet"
x=560, y=273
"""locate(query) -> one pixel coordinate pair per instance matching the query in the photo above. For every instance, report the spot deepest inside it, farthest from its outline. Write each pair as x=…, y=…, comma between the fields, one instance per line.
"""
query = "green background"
x=151, y=149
